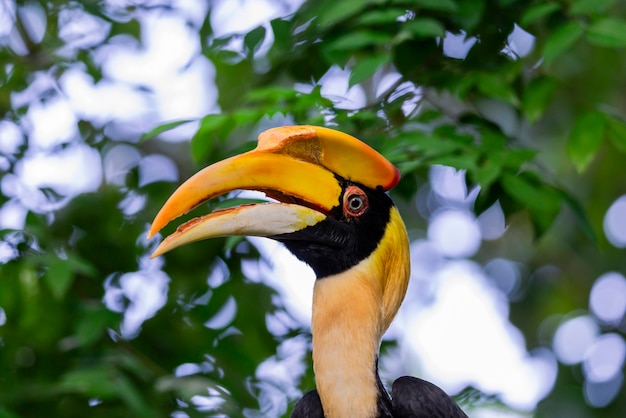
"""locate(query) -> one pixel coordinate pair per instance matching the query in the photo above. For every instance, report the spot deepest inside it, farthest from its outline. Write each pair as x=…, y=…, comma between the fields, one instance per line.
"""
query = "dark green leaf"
x=253, y=39
x=537, y=12
x=609, y=32
x=380, y=16
x=59, y=278
x=440, y=5
x=340, y=10
x=581, y=7
x=585, y=138
x=424, y=28
x=543, y=202
x=132, y=28
x=132, y=397
x=366, y=67
x=561, y=40
x=356, y=40
x=495, y=86
x=92, y=325
x=580, y=215
x=531, y=194
x=91, y=381
x=461, y=162
x=537, y=96
x=203, y=141
x=488, y=171
x=616, y=132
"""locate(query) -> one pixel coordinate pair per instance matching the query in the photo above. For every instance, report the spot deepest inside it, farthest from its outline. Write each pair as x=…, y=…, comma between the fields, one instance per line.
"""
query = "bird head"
x=331, y=211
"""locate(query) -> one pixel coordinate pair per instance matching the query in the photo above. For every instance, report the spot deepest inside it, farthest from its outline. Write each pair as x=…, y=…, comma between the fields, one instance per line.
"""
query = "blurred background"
x=506, y=119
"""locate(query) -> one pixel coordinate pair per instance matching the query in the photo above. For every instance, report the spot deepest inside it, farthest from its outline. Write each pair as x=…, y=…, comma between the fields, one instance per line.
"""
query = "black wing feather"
x=309, y=406
x=417, y=398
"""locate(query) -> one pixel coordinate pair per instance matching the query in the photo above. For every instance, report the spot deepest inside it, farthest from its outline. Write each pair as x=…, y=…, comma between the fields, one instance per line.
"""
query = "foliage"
x=542, y=132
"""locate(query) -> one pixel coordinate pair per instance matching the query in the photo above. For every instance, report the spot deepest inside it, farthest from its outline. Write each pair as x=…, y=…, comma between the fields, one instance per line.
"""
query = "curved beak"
x=300, y=166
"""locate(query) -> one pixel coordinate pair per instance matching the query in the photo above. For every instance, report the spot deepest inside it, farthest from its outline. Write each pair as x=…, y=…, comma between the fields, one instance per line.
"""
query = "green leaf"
x=487, y=172
x=609, y=32
x=424, y=28
x=493, y=86
x=461, y=162
x=561, y=40
x=537, y=96
x=132, y=397
x=91, y=381
x=208, y=132
x=616, y=132
x=92, y=324
x=340, y=10
x=357, y=40
x=530, y=193
x=582, y=7
x=366, y=67
x=440, y=5
x=164, y=128
x=253, y=39
x=585, y=138
x=131, y=28
x=543, y=202
x=380, y=17
x=537, y=12
x=5, y=413
x=580, y=215
x=59, y=278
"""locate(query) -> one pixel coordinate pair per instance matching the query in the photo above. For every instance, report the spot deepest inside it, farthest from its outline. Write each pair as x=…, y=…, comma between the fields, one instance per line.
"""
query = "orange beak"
x=301, y=166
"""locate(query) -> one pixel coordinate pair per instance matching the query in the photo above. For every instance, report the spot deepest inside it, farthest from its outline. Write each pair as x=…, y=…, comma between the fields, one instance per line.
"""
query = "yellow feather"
x=351, y=311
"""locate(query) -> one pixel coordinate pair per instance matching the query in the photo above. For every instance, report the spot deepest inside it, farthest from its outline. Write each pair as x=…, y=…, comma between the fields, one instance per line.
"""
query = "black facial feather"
x=341, y=241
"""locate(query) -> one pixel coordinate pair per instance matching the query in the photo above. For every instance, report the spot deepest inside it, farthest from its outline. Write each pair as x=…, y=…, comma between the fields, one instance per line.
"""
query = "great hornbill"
x=333, y=213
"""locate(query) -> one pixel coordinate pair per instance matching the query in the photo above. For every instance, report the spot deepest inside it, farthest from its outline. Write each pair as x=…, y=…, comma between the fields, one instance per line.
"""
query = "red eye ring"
x=355, y=201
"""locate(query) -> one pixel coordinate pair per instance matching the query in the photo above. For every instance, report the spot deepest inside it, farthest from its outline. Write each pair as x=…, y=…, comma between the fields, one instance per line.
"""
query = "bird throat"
x=351, y=311
x=346, y=327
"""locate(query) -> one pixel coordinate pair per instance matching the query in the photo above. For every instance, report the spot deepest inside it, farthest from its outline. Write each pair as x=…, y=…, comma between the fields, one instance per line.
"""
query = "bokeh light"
x=455, y=233
x=614, y=225
x=573, y=338
x=607, y=299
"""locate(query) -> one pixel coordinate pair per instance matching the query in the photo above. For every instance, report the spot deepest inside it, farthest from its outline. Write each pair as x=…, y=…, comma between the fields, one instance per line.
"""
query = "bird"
x=330, y=207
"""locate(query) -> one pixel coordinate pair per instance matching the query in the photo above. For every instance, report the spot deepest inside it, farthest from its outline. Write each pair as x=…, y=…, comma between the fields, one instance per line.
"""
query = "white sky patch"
x=492, y=222
x=457, y=45
x=138, y=294
x=10, y=137
x=12, y=215
x=7, y=16
x=170, y=66
x=73, y=170
x=448, y=182
x=292, y=278
x=227, y=16
x=335, y=87
x=455, y=233
x=102, y=102
x=521, y=43
x=463, y=337
x=52, y=123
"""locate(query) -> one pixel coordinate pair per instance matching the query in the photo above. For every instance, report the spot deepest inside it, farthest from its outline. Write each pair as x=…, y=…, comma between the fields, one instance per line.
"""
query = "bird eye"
x=355, y=201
